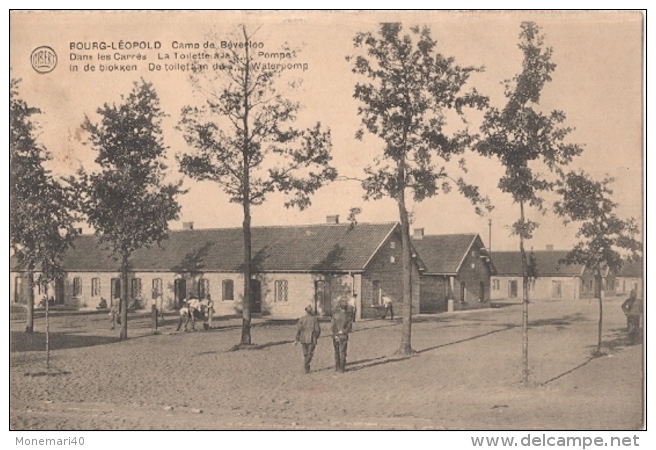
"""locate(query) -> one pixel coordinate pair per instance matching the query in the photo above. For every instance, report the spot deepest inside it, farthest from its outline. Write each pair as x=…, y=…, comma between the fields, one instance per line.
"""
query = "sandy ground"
x=465, y=375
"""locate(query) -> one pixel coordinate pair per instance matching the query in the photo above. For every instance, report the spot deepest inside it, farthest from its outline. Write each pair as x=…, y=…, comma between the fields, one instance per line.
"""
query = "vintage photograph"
x=327, y=220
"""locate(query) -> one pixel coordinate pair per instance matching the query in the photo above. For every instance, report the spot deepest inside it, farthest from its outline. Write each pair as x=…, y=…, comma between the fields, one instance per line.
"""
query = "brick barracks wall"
x=475, y=275
x=434, y=292
x=387, y=268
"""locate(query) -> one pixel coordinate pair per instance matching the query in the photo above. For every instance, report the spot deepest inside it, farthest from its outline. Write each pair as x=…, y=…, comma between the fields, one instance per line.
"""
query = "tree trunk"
x=601, y=311
x=246, y=312
x=47, y=330
x=406, y=333
x=525, y=370
x=29, y=312
x=246, y=199
x=124, y=298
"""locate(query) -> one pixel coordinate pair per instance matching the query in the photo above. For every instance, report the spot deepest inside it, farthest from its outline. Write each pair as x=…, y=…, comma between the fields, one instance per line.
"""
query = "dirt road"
x=465, y=375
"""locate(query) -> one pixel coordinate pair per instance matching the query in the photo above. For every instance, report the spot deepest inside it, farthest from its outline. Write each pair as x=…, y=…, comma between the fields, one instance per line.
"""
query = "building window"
x=512, y=288
x=392, y=244
x=496, y=285
x=228, y=290
x=392, y=259
x=77, y=287
x=136, y=288
x=556, y=289
x=157, y=288
x=281, y=291
x=203, y=288
x=376, y=293
x=95, y=287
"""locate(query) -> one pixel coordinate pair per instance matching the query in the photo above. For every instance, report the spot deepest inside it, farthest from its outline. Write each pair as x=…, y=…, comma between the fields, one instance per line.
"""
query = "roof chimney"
x=418, y=233
x=550, y=247
x=187, y=225
x=332, y=219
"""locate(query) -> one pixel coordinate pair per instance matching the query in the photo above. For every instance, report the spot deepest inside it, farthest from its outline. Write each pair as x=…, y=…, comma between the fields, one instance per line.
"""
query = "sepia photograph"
x=328, y=220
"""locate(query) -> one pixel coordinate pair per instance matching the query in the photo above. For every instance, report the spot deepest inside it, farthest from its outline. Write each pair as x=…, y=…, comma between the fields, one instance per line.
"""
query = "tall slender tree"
x=40, y=209
x=525, y=141
x=602, y=233
x=405, y=102
x=243, y=139
x=127, y=201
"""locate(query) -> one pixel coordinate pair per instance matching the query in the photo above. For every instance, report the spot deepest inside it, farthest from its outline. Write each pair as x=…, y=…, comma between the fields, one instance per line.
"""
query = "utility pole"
x=489, y=242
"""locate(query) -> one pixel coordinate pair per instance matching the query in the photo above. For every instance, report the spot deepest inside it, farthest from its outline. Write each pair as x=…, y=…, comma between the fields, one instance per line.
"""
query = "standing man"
x=632, y=308
x=307, y=333
x=115, y=313
x=387, y=303
x=341, y=327
x=159, y=304
x=352, y=306
x=183, y=315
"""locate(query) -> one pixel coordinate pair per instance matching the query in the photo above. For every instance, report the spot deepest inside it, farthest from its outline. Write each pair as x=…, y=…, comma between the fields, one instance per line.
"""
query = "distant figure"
x=115, y=313
x=340, y=326
x=207, y=311
x=632, y=308
x=102, y=304
x=352, y=307
x=308, y=331
x=389, y=307
x=184, y=315
x=159, y=306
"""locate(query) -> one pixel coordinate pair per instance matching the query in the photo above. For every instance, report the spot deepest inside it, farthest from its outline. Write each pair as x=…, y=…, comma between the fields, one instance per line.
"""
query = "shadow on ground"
x=36, y=342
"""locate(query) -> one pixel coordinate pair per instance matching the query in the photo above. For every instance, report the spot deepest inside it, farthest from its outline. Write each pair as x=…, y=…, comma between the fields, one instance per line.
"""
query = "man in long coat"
x=340, y=326
x=307, y=333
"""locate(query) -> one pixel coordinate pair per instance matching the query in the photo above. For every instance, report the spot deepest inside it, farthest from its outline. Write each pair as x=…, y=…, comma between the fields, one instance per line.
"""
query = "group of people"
x=190, y=311
x=341, y=324
x=196, y=309
x=308, y=332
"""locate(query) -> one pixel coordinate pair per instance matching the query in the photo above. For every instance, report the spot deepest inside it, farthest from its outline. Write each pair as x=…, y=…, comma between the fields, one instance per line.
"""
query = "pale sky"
x=597, y=83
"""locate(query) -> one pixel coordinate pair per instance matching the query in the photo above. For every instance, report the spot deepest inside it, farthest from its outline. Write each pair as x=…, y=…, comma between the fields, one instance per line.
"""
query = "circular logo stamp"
x=43, y=59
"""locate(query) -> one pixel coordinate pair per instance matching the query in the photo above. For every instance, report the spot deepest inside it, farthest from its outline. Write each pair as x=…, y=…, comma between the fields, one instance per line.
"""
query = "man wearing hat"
x=341, y=327
x=632, y=308
x=307, y=333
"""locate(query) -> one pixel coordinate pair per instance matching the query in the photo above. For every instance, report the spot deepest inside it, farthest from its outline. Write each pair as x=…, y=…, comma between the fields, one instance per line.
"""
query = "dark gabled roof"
x=324, y=247
x=443, y=254
x=631, y=269
x=547, y=263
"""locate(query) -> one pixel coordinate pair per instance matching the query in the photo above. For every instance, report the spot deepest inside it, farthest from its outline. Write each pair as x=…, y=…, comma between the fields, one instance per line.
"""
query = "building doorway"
x=481, y=291
x=512, y=289
x=179, y=292
x=59, y=291
x=322, y=298
x=115, y=291
x=256, y=296
x=18, y=289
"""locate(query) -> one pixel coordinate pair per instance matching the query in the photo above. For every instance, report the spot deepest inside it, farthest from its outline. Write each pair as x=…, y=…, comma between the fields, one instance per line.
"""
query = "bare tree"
x=127, y=201
x=525, y=140
x=243, y=140
x=602, y=233
x=41, y=210
x=408, y=91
